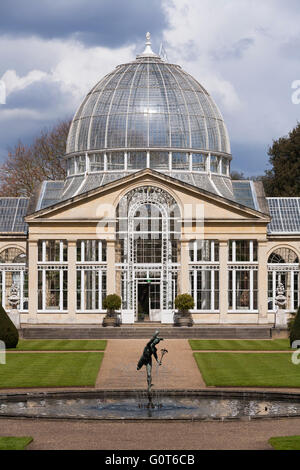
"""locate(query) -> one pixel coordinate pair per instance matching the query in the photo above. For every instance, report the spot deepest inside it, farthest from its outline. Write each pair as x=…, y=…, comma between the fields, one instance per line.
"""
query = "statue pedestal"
x=280, y=319
x=15, y=318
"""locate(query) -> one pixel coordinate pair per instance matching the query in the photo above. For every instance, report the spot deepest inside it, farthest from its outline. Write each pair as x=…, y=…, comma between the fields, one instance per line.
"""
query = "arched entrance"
x=148, y=235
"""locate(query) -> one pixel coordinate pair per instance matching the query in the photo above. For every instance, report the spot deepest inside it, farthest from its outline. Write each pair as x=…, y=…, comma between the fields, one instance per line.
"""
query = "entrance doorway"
x=148, y=301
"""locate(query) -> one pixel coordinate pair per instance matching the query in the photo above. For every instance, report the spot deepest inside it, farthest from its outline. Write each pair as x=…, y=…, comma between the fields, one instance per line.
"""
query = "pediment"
x=99, y=203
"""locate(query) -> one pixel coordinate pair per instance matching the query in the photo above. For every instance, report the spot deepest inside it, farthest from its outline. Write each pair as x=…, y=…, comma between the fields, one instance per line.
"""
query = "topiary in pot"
x=295, y=328
x=184, y=303
x=8, y=332
x=111, y=303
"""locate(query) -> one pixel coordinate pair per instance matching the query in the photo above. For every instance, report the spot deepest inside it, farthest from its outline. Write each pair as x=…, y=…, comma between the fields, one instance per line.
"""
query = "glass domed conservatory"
x=148, y=114
x=148, y=210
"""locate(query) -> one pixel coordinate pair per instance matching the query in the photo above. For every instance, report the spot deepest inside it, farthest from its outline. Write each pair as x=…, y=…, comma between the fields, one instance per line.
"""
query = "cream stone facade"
x=148, y=211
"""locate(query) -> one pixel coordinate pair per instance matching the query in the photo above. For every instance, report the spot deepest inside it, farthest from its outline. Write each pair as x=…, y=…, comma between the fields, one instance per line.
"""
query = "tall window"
x=52, y=275
x=91, y=274
x=243, y=275
x=204, y=274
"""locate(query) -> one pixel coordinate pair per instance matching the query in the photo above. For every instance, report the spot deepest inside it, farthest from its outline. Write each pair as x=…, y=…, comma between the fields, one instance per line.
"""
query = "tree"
x=8, y=332
x=283, y=179
x=27, y=166
x=236, y=175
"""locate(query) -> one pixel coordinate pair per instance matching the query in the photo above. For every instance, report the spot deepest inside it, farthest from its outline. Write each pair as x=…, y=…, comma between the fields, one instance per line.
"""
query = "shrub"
x=8, y=332
x=295, y=328
x=184, y=303
x=112, y=302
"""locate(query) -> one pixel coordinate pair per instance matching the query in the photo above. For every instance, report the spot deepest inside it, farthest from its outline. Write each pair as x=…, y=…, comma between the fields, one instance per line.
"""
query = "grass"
x=60, y=345
x=248, y=370
x=50, y=370
x=285, y=443
x=14, y=443
x=240, y=345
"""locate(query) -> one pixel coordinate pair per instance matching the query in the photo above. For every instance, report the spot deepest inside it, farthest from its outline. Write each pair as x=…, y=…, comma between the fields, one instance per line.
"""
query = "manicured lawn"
x=285, y=443
x=248, y=369
x=60, y=345
x=50, y=369
x=239, y=344
x=14, y=443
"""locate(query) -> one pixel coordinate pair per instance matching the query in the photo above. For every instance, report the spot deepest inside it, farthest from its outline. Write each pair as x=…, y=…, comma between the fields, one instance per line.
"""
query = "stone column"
x=72, y=281
x=32, y=281
x=184, y=272
x=111, y=268
x=262, y=283
x=223, y=280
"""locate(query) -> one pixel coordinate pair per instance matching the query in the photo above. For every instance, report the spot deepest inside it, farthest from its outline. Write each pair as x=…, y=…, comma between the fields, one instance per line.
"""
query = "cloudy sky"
x=245, y=52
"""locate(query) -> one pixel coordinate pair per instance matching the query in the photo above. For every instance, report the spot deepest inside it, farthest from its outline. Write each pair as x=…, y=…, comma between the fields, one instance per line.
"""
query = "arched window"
x=283, y=255
x=12, y=256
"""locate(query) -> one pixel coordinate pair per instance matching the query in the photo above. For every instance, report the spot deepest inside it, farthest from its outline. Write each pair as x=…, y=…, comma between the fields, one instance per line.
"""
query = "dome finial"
x=148, y=51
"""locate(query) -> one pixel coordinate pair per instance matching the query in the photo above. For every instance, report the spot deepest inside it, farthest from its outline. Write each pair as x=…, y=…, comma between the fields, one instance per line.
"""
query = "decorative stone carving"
x=13, y=299
x=280, y=301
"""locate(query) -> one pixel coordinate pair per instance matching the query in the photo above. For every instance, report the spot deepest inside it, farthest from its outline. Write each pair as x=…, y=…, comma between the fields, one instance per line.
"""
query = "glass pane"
x=115, y=161
x=180, y=161
x=198, y=162
x=136, y=160
x=97, y=162
x=159, y=160
x=214, y=162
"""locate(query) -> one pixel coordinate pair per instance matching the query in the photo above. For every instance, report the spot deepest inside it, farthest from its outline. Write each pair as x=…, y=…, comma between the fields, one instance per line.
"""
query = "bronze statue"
x=146, y=358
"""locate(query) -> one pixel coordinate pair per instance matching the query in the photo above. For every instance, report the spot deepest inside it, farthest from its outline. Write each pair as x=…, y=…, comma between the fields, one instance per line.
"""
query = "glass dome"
x=147, y=104
x=148, y=114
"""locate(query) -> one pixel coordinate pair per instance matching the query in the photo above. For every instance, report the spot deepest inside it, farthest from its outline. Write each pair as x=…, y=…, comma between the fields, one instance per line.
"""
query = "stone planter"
x=111, y=321
x=183, y=320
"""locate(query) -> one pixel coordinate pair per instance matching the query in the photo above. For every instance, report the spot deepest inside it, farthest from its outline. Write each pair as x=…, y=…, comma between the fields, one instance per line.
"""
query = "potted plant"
x=184, y=303
x=112, y=303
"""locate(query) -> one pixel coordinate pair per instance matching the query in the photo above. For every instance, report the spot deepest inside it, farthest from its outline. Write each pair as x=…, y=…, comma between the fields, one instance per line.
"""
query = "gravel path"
x=178, y=370
x=91, y=435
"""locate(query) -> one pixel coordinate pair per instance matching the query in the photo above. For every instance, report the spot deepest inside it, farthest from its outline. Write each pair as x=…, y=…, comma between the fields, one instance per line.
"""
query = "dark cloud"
x=42, y=95
x=109, y=23
x=250, y=158
x=34, y=108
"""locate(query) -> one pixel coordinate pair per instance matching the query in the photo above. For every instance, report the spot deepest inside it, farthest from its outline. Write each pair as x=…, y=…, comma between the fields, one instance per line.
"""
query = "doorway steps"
x=137, y=331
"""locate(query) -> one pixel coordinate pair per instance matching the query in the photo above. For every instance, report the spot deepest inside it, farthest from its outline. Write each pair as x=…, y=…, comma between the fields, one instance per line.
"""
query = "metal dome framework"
x=148, y=113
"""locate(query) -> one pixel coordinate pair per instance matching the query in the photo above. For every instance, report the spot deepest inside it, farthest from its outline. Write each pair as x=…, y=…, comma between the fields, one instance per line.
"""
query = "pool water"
x=158, y=407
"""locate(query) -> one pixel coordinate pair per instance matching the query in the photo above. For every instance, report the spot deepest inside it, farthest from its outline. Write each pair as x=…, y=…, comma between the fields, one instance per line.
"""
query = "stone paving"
x=178, y=370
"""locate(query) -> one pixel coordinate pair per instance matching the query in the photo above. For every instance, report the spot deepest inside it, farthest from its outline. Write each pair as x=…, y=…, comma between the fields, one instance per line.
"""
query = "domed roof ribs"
x=111, y=103
x=186, y=106
x=81, y=109
x=128, y=105
x=200, y=104
x=168, y=106
x=95, y=107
